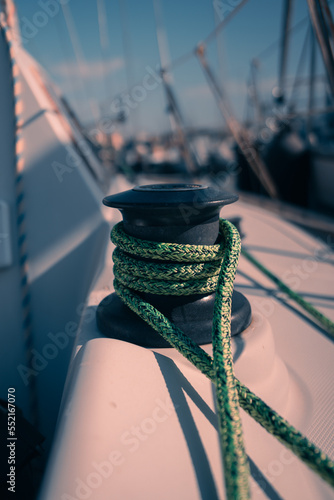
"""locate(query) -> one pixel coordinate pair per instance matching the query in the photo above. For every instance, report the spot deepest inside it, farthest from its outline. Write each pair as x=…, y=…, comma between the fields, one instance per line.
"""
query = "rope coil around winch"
x=183, y=270
x=230, y=393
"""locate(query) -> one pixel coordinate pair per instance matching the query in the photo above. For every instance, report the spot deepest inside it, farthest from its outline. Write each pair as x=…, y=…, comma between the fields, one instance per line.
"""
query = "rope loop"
x=164, y=251
x=214, y=267
x=175, y=270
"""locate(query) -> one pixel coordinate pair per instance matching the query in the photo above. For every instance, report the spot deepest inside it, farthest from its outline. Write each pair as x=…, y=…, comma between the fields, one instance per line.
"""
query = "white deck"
x=139, y=424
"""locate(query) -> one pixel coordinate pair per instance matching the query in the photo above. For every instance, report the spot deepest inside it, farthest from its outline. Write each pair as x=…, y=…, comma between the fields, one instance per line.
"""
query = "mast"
x=329, y=20
x=104, y=42
x=127, y=49
x=254, y=93
x=79, y=55
x=239, y=133
x=321, y=31
x=173, y=107
x=287, y=15
x=311, y=82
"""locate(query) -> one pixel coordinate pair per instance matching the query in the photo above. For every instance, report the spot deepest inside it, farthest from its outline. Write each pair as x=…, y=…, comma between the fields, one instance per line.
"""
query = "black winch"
x=171, y=213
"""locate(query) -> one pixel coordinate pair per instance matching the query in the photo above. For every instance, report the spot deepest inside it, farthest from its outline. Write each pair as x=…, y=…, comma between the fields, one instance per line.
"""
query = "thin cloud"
x=232, y=87
x=88, y=70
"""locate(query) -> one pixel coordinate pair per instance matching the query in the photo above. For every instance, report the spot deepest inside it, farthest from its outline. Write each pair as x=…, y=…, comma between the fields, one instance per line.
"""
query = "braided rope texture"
x=219, y=369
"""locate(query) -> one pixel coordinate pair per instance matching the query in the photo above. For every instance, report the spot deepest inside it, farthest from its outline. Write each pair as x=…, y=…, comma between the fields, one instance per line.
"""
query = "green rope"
x=169, y=279
x=164, y=251
x=321, y=318
x=229, y=391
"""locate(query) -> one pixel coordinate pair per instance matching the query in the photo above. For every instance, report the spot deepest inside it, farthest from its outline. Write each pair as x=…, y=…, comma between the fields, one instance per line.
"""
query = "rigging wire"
x=61, y=34
x=161, y=35
x=78, y=52
x=329, y=21
x=129, y=60
x=274, y=45
x=285, y=39
x=321, y=32
x=184, y=57
x=104, y=42
x=311, y=95
x=223, y=23
x=219, y=43
x=192, y=53
x=164, y=55
x=300, y=66
x=239, y=133
x=175, y=116
x=103, y=26
x=178, y=61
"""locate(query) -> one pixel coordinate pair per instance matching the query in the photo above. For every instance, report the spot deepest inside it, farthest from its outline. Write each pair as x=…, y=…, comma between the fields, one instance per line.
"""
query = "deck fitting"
x=171, y=213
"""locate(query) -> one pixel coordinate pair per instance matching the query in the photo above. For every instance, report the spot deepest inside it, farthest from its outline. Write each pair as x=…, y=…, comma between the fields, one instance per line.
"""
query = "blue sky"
x=92, y=85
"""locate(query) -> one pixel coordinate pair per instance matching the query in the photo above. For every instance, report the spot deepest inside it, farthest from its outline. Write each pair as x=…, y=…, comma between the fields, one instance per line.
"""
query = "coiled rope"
x=230, y=392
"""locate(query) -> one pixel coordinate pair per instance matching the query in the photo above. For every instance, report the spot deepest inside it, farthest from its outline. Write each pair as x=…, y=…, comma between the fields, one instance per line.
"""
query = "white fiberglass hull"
x=139, y=423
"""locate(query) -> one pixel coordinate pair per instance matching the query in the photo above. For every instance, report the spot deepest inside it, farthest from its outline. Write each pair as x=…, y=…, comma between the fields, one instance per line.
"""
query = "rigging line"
x=128, y=60
x=304, y=80
x=300, y=65
x=187, y=55
x=249, y=105
x=321, y=32
x=219, y=43
x=285, y=39
x=103, y=26
x=23, y=252
x=104, y=42
x=80, y=60
x=329, y=19
x=311, y=96
x=239, y=132
x=313, y=112
x=62, y=44
x=224, y=22
x=164, y=55
x=161, y=35
x=259, y=118
x=273, y=46
x=176, y=120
